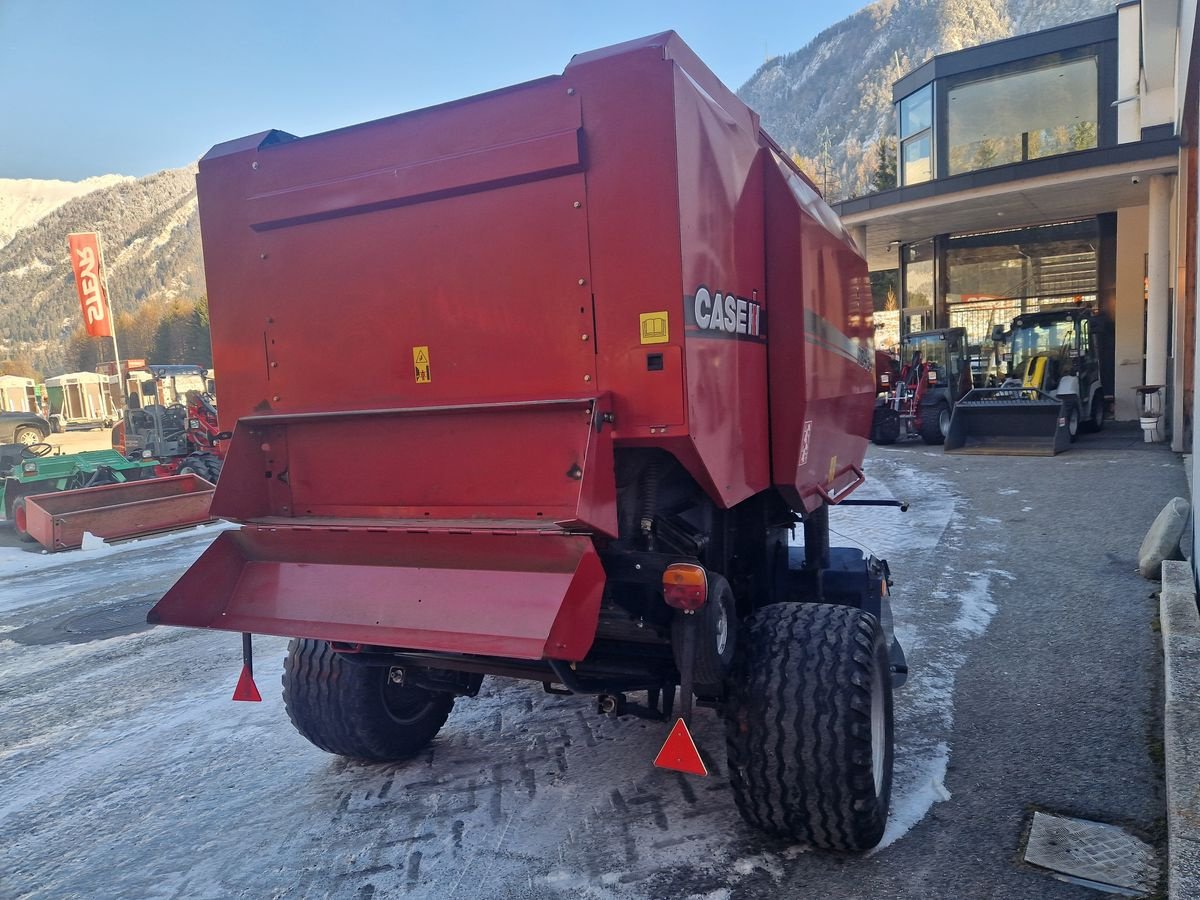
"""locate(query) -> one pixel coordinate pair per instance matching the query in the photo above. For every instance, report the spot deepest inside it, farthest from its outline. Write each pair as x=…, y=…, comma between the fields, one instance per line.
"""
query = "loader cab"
x=937, y=359
x=1043, y=347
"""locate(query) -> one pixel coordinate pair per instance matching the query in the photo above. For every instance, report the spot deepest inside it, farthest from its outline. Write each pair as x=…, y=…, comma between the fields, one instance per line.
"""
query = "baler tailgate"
x=523, y=594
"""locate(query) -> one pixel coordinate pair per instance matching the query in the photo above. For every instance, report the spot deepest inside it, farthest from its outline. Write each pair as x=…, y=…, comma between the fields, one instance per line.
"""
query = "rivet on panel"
x=570, y=92
x=274, y=365
x=587, y=377
x=254, y=165
x=578, y=204
x=262, y=256
x=583, y=337
x=276, y=398
x=583, y=281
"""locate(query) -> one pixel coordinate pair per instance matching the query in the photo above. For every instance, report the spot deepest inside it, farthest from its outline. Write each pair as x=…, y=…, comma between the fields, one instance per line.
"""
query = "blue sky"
x=134, y=86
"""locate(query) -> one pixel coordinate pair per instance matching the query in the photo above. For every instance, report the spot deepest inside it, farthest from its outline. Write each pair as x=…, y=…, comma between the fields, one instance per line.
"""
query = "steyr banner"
x=89, y=282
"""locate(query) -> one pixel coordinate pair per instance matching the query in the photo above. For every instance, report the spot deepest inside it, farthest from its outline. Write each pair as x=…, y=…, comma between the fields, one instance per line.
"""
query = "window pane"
x=918, y=274
x=918, y=159
x=1025, y=115
x=916, y=111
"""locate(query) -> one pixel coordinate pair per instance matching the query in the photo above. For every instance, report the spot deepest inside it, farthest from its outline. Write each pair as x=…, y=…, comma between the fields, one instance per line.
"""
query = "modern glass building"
x=1033, y=172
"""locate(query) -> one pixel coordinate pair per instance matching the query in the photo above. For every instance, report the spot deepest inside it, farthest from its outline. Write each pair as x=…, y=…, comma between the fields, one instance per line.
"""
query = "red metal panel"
x=721, y=204
x=822, y=386
x=521, y=595
x=489, y=272
x=546, y=461
x=633, y=228
x=116, y=511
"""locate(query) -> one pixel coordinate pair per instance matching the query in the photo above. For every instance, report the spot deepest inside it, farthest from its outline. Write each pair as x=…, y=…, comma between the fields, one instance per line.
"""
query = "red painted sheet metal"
x=117, y=511
x=524, y=595
x=461, y=230
x=822, y=382
x=541, y=461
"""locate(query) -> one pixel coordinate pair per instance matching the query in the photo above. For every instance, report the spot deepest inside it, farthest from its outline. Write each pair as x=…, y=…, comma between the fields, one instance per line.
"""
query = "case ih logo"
x=726, y=315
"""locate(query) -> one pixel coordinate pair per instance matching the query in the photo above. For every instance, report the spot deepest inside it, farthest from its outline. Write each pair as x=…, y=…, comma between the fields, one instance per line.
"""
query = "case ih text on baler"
x=603, y=349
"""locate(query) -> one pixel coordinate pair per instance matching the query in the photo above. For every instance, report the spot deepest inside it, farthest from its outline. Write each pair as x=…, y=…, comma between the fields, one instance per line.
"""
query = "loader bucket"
x=519, y=593
x=1008, y=422
x=58, y=521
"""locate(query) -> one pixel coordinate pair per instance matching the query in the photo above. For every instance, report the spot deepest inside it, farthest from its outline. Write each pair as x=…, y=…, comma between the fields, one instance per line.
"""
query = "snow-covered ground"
x=126, y=772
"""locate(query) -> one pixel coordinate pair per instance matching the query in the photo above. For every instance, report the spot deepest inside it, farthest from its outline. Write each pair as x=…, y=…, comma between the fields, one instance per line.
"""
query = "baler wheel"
x=809, y=725
x=355, y=710
x=716, y=643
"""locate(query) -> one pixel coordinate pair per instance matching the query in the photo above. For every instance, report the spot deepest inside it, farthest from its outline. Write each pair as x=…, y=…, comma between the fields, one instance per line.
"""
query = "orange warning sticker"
x=421, y=365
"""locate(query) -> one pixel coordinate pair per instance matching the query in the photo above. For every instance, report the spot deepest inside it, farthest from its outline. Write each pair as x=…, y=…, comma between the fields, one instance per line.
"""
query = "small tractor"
x=30, y=469
x=182, y=436
x=1052, y=388
x=612, y=370
x=935, y=373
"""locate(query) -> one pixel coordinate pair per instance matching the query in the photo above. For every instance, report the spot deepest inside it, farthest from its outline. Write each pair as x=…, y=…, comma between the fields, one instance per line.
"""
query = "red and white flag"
x=88, y=266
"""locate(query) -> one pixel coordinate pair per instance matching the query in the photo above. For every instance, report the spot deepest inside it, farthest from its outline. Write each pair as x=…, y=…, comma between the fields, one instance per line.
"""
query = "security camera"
x=1136, y=179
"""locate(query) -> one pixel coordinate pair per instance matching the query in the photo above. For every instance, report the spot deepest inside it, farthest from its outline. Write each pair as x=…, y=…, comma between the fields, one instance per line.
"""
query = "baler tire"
x=808, y=725
x=344, y=708
x=714, y=657
x=931, y=423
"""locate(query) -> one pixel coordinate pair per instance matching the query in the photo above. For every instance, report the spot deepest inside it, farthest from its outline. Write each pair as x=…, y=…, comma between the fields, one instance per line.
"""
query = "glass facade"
x=885, y=292
x=1042, y=111
x=992, y=278
x=916, y=136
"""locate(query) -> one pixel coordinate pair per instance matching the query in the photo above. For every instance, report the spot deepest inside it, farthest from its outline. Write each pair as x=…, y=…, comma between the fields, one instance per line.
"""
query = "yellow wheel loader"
x=1052, y=389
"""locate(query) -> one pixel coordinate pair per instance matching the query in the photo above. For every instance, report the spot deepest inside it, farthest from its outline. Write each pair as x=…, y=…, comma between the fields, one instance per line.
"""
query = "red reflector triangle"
x=679, y=752
x=245, y=689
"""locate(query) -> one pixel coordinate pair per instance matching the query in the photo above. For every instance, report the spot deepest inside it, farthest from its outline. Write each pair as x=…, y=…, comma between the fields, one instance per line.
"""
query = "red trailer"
x=601, y=348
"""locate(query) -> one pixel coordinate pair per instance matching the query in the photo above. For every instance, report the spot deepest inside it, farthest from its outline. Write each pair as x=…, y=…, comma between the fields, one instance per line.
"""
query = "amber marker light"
x=685, y=586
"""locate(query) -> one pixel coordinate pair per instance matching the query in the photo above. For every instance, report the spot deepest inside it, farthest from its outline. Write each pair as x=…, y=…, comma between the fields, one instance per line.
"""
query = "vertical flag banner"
x=87, y=264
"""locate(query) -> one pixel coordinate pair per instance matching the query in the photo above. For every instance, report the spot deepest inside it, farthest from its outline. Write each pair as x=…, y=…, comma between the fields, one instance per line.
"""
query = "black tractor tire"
x=716, y=638
x=885, y=426
x=1073, y=420
x=19, y=521
x=1095, y=419
x=206, y=465
x=808, y=725
x=355, y=710
x=935, y=423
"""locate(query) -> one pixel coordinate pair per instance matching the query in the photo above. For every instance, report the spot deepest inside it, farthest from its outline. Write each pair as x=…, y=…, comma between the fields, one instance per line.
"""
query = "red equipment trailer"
x=609, y=348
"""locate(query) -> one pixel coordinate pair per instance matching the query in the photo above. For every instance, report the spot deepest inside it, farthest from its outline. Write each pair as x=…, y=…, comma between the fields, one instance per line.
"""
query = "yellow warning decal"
x=421, y=365
x=832, y=469
x=655, y=328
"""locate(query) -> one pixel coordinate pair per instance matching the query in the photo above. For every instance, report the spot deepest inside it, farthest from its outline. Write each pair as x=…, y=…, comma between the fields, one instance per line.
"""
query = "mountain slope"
x=835, y=94
x=25, y=200
x=150, y=234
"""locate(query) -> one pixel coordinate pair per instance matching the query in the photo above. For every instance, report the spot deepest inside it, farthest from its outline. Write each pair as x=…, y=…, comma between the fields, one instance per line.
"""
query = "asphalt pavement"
x=1035, y=685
